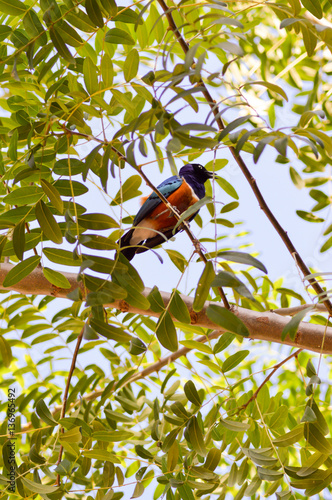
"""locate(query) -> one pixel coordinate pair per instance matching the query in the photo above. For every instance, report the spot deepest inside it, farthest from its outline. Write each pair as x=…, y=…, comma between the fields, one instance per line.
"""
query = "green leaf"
x=42, y=489
x=127, y=16
x=19, y=239
x=326, y=245
x=59, y=256
x=212, y=459
x=271, y=86
x=112, y=436
x=199, y=346
x=12, y=7
x=195, y=435
x=53, y=195
x=166, y=332
x=156, y=302
x=107, y=72
x=44, y=413
x=119, y=37
x=13, y=145
x=94, y=12
x=269, y=474
x=169, y=440
x=314, y=7
x=309, y=415
x=97, y=242
x=232, y=361
x=70, y=35
x=242, y=258
x=60, y=45
x=110, y=332
x=178, y=259
x=203, y=287
x=234, y=425
x=225, y=340
x=293, y=325
x=129, y=190
x=314, y=437
x=309, y=217
x=296, y=178
x=57, y=279
x=103, y=455
x=131, y=63
x=24, y=196
x=110, y=7
x=294, y=436
x=70, y=188
x=47, y=223
x=231, y=126
x=5, y=351
x=90, y=73
x=227, y=187
x=21, y=270
x=191, y=393
x=97, y=222
x=279, y=418
x=227, y=320
x=178, y=309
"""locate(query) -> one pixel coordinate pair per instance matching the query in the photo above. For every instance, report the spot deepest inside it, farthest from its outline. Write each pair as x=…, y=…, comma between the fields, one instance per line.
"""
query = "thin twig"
x=276, y=367
x=65, y=395
x=246, y=172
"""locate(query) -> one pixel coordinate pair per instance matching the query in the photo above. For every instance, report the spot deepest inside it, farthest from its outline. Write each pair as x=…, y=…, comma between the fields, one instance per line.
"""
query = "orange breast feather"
x=182, y=199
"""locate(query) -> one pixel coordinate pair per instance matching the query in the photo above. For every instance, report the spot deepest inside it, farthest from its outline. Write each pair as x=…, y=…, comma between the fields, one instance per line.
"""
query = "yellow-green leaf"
x=5, y=351
x=12, y=7
x=131, y=63
x=47, y=222
x=53, y=195
x=90, y=73
x=203, y=286
x=119, y=37
x=57, y=279
x=21, y=270
x=166, y=332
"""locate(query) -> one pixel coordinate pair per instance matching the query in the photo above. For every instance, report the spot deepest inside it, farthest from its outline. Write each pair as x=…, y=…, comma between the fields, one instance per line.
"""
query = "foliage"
x=94, y=94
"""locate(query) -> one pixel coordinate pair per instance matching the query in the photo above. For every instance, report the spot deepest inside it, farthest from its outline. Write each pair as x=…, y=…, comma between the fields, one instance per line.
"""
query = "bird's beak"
x=212, y=175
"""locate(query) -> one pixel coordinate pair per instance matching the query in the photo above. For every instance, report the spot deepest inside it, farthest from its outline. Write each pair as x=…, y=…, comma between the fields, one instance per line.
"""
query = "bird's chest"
x=181, y=199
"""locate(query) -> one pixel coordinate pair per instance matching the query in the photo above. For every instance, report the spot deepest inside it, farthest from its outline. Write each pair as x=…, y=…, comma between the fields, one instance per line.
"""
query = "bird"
x=154, y=222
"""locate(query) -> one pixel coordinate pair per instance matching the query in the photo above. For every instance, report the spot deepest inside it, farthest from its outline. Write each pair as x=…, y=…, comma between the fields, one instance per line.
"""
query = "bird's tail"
x=125, y=248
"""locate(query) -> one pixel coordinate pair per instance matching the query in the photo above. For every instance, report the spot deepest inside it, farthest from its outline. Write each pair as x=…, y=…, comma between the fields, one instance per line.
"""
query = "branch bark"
x=245, y=170
x=266, y=325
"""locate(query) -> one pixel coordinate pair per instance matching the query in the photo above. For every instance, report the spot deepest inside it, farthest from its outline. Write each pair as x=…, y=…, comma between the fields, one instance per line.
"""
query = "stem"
x=65, y=395
x=254, y=396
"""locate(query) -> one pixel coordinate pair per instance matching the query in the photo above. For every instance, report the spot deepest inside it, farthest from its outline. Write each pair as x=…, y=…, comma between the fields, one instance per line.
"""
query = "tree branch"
x=275, y=368
x=246, y=172
x=266, y=326
x=65, y=395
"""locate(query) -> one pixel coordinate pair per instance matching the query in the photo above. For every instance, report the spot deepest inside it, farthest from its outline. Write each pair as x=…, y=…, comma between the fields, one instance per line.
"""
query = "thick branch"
x=246, y=172
x=261, y=325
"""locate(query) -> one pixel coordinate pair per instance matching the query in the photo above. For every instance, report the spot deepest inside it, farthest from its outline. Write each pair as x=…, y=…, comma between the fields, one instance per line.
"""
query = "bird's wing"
x=166, y=188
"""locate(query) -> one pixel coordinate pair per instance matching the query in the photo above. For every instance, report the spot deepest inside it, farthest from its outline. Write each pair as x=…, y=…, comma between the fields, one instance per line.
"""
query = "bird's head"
x=197, y=171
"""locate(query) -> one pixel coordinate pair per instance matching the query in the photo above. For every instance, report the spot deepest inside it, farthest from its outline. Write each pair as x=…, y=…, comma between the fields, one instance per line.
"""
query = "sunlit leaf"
x=21, y=270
